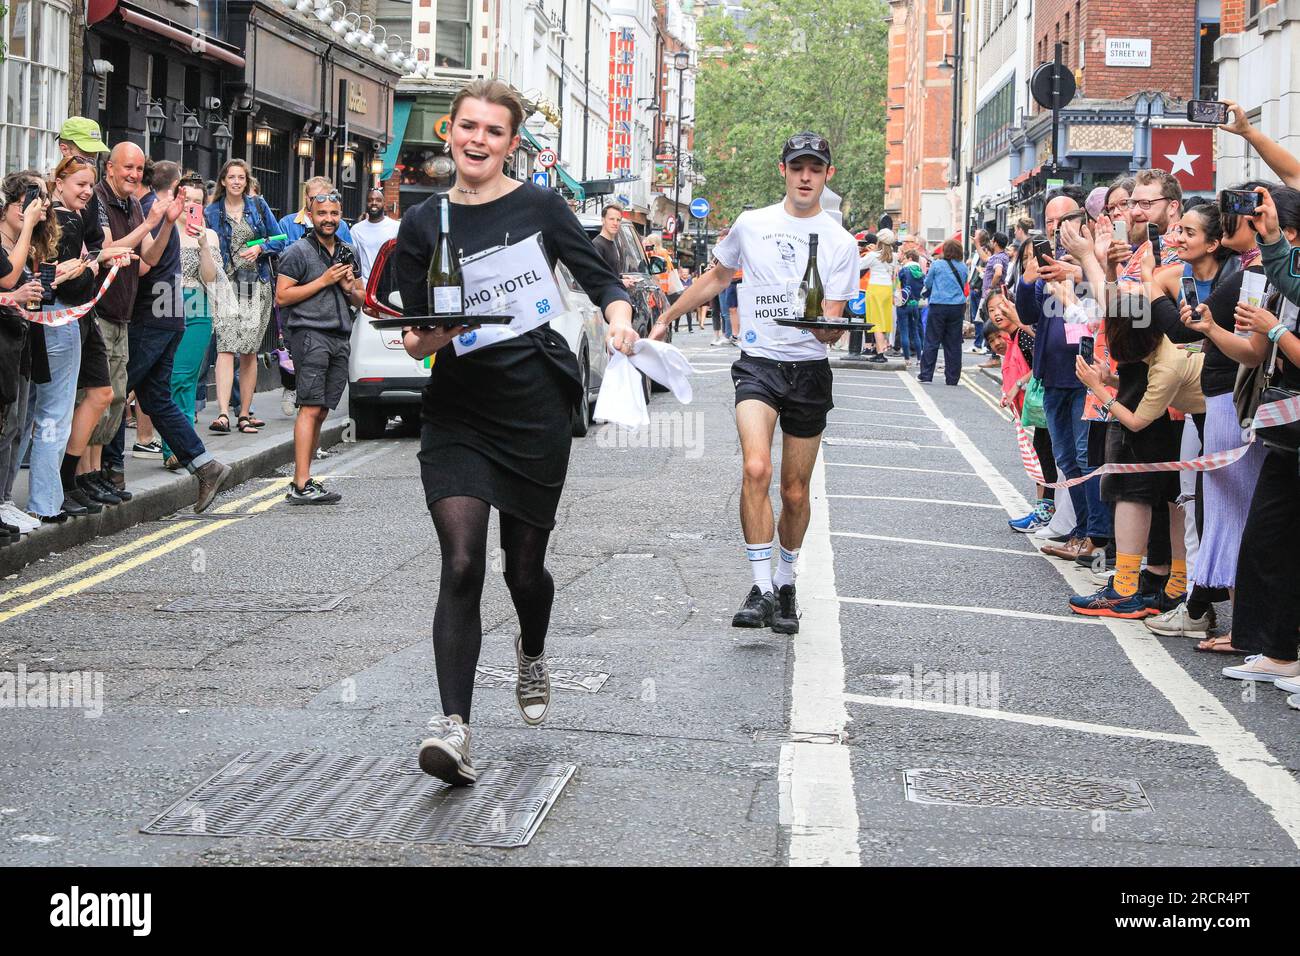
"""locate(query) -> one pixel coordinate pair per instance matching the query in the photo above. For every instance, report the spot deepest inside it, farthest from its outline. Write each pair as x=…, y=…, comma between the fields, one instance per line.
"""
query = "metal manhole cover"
x=995, y=788
x=870, y=443
x=492, y=675
x=312, y=796
x=254, y=603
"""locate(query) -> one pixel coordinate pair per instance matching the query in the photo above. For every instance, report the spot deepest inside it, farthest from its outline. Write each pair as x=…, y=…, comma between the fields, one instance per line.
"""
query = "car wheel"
x=370, y=417
x=580, y=419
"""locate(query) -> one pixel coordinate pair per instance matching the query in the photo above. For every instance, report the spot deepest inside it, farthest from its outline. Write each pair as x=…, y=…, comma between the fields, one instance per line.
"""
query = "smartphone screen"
x=1294, y=266
x=1042, y=249
x=1189, y=292
x=47, y=282
x=1207, y=111
x=1086, y=348
x=1153, y=236
x=32, y=192
x=1239, y=202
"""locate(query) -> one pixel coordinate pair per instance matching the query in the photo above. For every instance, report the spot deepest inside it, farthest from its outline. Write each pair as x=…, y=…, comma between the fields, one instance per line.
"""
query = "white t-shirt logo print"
x=771, y=247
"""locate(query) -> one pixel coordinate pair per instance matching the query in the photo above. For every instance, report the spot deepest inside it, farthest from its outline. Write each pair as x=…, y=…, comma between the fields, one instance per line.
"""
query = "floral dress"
x=240, y=329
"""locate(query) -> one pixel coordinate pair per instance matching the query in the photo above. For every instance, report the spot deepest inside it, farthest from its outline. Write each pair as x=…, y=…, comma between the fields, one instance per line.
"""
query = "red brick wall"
x=1171, y=26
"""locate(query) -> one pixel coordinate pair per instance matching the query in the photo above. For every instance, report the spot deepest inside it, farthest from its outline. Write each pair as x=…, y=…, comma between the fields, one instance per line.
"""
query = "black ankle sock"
x=68, y=471
x=1198, y=608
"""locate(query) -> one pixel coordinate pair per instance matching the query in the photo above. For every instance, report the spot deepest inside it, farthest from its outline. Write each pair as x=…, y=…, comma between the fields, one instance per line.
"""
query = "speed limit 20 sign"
x=547, y=158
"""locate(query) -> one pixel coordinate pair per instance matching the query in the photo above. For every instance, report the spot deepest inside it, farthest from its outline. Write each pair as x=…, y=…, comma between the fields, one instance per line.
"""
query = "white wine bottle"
x=445, y=282
x=812, y=282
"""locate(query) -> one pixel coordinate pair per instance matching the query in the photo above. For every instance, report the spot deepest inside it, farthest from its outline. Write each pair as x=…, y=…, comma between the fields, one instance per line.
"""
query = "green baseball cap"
x=84, y=134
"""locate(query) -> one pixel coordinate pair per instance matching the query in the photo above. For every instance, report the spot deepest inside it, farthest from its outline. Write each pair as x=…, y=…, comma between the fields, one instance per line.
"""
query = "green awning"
x=401, y=114
x=571, y=184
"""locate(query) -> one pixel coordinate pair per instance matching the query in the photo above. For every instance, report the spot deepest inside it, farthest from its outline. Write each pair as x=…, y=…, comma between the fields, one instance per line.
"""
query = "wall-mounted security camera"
x=212, y=103
x=101, y=67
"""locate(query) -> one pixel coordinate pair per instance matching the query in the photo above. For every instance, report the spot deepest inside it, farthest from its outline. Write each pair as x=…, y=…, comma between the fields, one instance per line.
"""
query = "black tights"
x=462, y=526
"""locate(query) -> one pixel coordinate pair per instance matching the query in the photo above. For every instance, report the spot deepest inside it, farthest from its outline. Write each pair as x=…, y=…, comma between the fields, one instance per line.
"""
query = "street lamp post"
x=681, y=63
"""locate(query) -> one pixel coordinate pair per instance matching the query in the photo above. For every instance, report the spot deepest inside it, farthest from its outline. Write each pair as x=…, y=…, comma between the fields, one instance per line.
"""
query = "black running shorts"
x=800, y=392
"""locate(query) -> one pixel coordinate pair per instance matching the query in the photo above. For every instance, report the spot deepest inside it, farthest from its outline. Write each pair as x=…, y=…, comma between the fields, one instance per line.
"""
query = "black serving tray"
x=842, y=325
x=440, y=321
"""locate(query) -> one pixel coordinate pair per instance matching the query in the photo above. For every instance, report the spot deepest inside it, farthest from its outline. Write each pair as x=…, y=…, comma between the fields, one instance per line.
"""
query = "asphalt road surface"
x=933, y=639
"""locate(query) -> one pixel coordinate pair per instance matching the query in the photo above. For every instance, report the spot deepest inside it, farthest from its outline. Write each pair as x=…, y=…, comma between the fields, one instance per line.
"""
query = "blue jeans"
x=908, y=318
x=1069, y=434
x=149, y=375
x=49, y=419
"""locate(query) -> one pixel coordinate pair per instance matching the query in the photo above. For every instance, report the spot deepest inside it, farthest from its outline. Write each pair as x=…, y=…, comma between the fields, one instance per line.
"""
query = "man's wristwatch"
x=1105, y=406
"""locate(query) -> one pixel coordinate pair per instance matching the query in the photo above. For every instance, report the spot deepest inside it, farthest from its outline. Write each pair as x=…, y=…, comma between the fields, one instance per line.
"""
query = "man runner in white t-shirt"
x=783, y=373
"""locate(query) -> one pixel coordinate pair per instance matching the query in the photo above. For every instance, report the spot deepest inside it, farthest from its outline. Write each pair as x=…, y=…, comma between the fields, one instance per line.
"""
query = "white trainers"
x=718, y=341
x=532, y=686
x=1293, y=701
x=1178, y=623
x=445, y=752
x=11, y=514
x=1257, y=667
x=289, y=403
x=1289, y=684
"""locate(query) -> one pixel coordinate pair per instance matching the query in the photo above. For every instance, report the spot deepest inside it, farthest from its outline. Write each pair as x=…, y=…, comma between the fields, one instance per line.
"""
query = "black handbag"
x=1283, y=437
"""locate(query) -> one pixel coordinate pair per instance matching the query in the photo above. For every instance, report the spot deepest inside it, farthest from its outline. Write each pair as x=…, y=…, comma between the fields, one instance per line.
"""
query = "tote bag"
x=1032, y=414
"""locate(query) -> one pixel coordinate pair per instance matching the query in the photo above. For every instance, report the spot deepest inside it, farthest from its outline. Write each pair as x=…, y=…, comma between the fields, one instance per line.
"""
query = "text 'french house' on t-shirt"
x=771, y=247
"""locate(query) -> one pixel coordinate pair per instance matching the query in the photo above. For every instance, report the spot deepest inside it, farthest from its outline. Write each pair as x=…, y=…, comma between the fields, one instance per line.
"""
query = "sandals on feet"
x=255, y=421
x=220, y=424
x=246, y=425
x=1219, y=645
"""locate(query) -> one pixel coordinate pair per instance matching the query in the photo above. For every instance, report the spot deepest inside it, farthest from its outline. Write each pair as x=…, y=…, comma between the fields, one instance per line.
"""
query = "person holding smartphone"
x=1266, y=616
x=28, y=236
x=203, y=286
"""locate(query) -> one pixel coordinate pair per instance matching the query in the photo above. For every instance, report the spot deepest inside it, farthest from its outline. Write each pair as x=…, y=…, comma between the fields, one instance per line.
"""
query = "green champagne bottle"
x=445, y=283
x=812, y=282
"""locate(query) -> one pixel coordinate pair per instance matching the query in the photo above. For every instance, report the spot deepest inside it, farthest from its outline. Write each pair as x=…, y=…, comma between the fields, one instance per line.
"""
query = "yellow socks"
x=1177, y=585
x=1127, y=568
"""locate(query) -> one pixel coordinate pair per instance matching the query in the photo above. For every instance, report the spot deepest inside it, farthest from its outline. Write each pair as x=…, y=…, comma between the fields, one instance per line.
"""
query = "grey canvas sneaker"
x=445, y=752
x=532, y=686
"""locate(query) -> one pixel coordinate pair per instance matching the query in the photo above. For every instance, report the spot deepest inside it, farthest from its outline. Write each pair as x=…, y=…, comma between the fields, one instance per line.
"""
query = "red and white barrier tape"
x=1274, y=413
x=62, y=316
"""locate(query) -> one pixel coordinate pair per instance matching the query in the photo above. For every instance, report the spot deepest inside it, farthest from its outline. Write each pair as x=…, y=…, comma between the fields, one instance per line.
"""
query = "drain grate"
x=491, y=675
x=312, y=796
x=870, y=443
x=254, y=604
x=995, y=788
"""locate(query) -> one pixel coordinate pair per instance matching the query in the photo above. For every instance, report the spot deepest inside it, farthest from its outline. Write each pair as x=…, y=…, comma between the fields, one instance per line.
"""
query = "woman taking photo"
x=496, y=419
x=23, y=231
x=880, y=269
x=238, y=218
x=203, y=284
x=1267, y=610
x=1152, y=376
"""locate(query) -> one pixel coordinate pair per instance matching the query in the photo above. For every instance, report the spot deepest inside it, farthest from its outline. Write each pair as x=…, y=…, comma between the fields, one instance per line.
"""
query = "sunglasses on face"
x=807, y=141
x=324, y=197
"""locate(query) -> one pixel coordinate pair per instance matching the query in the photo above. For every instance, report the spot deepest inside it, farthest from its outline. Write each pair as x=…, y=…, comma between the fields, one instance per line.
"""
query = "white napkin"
x=621, y=399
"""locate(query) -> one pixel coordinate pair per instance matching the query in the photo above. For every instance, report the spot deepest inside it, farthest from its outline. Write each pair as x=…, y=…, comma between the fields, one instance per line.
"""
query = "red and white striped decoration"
x=62, y=316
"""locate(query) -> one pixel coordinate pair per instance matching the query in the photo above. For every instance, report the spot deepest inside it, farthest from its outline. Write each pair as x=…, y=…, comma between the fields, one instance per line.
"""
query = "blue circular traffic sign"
x=700, y=207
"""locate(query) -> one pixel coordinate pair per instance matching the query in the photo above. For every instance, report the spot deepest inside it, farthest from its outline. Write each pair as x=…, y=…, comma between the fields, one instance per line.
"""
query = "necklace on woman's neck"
x=467, y=192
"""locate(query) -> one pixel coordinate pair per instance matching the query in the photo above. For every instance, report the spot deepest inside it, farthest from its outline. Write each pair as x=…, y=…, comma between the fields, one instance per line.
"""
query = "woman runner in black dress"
x=496, y=420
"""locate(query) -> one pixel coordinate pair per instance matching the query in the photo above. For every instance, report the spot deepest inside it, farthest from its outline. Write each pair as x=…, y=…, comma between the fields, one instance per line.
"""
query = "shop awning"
x=401, y=115
x=1024, y=176
x=571, y=184
x=195, y=41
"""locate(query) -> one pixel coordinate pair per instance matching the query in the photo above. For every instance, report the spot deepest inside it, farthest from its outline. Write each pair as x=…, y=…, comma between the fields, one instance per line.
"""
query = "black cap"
x=806, y=143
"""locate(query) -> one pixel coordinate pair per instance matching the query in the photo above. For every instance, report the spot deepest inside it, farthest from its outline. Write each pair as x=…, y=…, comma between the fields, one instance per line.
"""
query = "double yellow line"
x=138, y=552
x=986, y=398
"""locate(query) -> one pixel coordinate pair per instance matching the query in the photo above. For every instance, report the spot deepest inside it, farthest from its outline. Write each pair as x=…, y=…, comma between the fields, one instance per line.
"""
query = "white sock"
x=785, y=568
x=760, y=563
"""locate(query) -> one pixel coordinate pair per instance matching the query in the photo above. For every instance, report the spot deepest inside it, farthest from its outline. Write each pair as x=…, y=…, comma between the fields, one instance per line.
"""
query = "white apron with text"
x=759, y=307
x=515, y=280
